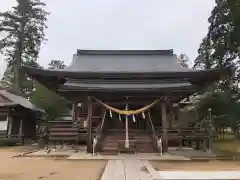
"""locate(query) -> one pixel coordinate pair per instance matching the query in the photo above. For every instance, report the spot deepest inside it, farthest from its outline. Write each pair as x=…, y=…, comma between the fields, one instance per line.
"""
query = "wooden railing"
x=99, y=132
x=153, y=133
x=11, y=137
x=188, y=134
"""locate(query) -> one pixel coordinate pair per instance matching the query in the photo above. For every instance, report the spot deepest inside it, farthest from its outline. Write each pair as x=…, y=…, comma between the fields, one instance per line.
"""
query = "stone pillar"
x=89, y=129
x=164, y=127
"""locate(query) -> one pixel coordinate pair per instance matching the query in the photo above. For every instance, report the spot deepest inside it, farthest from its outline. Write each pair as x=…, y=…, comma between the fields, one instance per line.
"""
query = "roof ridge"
x=168, y=52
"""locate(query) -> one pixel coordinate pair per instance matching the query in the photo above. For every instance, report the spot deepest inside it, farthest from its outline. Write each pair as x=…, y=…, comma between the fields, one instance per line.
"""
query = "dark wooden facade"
x=136, y=78
x=18, y=116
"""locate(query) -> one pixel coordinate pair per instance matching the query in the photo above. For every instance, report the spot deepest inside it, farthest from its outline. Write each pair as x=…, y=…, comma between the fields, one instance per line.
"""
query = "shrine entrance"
x=117, y=121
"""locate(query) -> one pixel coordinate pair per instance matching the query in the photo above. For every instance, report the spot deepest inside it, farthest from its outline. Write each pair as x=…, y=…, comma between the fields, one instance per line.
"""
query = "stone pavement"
x=135, y=169
x=131, y=169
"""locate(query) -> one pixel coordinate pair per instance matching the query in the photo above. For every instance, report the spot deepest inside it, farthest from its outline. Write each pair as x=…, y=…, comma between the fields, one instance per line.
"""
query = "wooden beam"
x=120, y=96
x=164, y=127
x=89, y=131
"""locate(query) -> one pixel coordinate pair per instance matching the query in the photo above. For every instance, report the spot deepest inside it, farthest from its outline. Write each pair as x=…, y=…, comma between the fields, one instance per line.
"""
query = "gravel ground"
x=45, y=168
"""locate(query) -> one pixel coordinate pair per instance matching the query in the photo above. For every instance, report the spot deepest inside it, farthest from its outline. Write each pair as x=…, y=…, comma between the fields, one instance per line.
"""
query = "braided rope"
x=128, y=112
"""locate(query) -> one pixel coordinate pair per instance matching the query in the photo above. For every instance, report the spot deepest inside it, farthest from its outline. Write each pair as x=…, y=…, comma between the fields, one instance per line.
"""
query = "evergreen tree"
x=183, y=60
x=56, y=64
x=224, y=31
x=53, y=104
x=24, y=27
x=203, y=60
x=219, y=49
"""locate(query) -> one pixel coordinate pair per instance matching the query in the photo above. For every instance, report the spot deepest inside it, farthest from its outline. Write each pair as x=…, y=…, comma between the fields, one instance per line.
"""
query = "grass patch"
x=6, y=143
x=227, y=145
x=214, y=165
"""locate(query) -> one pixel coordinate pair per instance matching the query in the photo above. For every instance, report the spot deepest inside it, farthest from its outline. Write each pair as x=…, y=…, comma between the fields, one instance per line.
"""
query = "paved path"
x=125, y=170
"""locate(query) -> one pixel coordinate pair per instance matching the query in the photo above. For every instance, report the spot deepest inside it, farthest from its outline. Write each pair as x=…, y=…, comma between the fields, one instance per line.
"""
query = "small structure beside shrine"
x=17, y=117
x=127, y=100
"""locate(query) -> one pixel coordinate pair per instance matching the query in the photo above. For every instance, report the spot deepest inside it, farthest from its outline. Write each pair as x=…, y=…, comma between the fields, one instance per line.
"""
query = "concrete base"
x=140, y=156
x=197, y=175
x=191, y=153
x=160, y=175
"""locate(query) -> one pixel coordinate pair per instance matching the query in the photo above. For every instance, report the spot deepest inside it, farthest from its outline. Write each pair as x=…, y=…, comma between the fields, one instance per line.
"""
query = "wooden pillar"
x=74, y=112
x=20, y=133
x=164, y=127
x=89, y=131
x=9, y=120
x=210, y=129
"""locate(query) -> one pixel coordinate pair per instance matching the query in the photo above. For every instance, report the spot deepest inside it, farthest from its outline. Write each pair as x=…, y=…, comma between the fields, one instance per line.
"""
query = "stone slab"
x=125, y=170
x=147, y=156
x=109, y=170
x=199, y=175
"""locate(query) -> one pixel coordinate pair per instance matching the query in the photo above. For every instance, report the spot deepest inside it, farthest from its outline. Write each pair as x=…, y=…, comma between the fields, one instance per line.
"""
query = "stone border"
x=25, y=153
x=155, y=175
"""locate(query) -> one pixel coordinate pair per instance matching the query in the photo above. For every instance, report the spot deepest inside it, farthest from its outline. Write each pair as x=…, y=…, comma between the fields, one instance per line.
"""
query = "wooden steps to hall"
x=114, y=143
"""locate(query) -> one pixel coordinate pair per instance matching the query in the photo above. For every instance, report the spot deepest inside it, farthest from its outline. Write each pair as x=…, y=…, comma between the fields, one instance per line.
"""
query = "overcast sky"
x=121, y=24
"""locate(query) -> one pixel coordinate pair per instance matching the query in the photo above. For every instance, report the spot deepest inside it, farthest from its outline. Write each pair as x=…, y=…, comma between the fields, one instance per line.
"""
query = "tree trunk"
x=18, y=75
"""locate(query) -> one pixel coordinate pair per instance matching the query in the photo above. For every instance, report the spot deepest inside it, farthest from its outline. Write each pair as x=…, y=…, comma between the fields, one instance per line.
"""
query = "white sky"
x=121, y=24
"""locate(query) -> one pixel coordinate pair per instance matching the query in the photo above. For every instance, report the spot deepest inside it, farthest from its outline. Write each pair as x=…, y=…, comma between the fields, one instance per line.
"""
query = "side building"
x=18, y=117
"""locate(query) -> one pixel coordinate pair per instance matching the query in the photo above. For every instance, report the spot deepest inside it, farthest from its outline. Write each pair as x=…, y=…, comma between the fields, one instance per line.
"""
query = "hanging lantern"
x=110, y=113
x=143, y=115
x=119, y=117
x=133, y=116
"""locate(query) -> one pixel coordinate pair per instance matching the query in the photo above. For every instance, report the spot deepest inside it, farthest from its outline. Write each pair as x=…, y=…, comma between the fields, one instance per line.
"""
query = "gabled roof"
x=124, y=61
x=12, y=99
x=124, y=70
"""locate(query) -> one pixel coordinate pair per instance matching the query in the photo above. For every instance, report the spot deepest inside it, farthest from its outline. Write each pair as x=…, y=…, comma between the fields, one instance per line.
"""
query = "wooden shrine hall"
x=124, y=100
x=18, y=117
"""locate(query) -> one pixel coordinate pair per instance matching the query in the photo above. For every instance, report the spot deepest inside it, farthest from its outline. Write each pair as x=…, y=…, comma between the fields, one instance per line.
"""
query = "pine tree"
x=53, y=104
x=56, y=64
x=203, y=60
x=220, y=48
x=183, y=60
x=24, y=27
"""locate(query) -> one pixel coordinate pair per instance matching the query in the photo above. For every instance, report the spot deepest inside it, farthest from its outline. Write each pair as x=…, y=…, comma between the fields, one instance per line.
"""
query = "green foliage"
x=220, y=48
x=56, y=64
x=217, y=101
x=223, y=105
x=204, y=60
x=52, y=103
x=183, y=60
x=24, y=28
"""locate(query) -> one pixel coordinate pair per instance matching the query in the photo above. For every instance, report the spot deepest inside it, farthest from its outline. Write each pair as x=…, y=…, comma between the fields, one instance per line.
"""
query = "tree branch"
x=7, y=29
x=11, y=16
